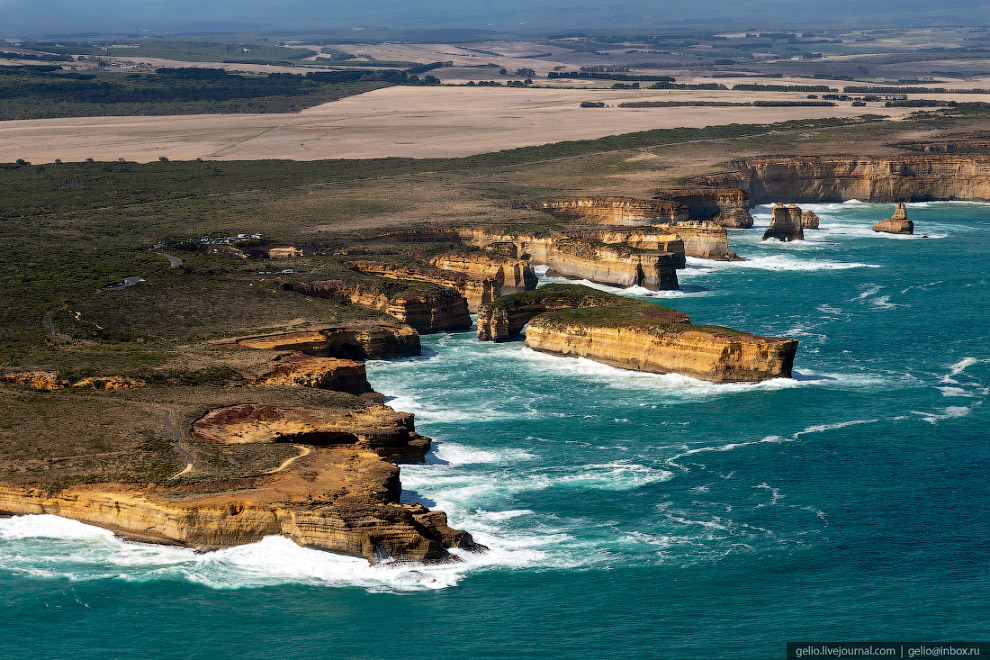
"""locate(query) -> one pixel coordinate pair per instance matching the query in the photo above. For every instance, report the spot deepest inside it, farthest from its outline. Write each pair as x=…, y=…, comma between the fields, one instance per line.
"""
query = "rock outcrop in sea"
x=785, y=224
x=632, y=334
x=809, y=220
x=897, y=223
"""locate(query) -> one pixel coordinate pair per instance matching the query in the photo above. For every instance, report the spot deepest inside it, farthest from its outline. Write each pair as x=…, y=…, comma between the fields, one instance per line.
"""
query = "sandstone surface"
x=728, y=207
x=897, y=223
x=428, y=309
x=509, y=274
x=358, y=342
x=610, y=210
x=809, y=220
x=913, y=178
x=633, y=334
x=785, y=224
x=301, y=370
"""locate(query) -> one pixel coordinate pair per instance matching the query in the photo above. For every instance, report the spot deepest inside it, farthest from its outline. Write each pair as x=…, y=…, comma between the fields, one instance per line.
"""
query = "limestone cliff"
x=379, y=341
x=584, y=258
x=509, y=274
x=633, y=334
x=301, y=370
x=659, y=239
x=712, y=354
x=728, y=207
x=704, y=240
x=785, y=224
x=427, y=309
x=610, y=210
x=505, y=318
x=897, y=223
x=339, y=493
x=475, y=291
x=809, y=220
x=911, y=178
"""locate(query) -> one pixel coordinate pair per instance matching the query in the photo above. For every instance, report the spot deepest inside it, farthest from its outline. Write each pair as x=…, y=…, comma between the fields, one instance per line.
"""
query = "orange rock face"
x=360, y=342
x=611, y=210
x=785, y=225
x=897, y=223
x=839, y=178
x=301, y=370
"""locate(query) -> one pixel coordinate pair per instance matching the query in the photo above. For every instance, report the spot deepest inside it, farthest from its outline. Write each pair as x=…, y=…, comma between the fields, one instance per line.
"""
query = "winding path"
x=303, y=451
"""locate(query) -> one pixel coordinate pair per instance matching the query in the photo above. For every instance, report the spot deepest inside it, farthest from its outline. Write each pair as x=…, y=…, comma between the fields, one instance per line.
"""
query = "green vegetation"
x=38, y=92
x=209, y=51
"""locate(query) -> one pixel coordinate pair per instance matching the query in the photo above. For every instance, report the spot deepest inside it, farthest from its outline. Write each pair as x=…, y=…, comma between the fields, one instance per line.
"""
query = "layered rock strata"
x=301, y=370
x=897, y=223
x=785, y=224
x=809, y=220
x=428, y=309
x=632, y=334
x=728, y=207
x=340, y=492
x=610, y=210
x=508, y=316
x=703, y=240
x=583, y=258
x=475, y=291
x=642, y=238
x=509, y=274
x=912, y=178
x=358, y=342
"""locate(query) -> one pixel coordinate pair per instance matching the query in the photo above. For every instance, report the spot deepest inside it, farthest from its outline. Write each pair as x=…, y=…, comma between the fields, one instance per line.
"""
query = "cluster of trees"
x=42, y=57
x=783, y=88
x=589, y=75
x=911, y=90
x=38, y=92
x=671, y=85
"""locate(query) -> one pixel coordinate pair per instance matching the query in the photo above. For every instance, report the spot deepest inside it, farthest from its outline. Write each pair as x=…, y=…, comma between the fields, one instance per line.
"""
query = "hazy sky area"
x=53, y=17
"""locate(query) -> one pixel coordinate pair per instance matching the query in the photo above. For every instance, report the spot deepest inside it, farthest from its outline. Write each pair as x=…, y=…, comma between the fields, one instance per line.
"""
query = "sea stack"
x=785, y=225
x=897, y=223
x=809, y=220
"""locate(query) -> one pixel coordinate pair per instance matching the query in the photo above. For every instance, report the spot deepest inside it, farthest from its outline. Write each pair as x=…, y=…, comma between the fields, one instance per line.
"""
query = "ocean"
x=626, y=514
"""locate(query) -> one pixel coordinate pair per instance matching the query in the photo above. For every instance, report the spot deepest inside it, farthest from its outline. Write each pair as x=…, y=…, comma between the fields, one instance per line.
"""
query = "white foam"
x=951, y=412
x=90, y=553
x=637, y=291
x=773, y=439
x=779, y=263
x=454, y=453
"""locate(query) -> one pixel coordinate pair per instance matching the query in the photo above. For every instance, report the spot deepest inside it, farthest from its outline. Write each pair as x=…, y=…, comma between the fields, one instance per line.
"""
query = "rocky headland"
x=631, y=334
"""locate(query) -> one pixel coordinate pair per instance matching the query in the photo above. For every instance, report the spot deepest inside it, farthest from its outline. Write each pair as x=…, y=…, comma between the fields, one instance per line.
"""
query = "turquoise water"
x=627, y=514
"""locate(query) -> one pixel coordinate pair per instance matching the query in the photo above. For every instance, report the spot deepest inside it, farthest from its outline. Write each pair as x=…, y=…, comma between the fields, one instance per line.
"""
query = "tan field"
x=396, y=121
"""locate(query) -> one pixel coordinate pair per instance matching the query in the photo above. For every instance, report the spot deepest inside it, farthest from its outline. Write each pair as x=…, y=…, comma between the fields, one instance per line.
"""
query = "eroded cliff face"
x=610, y=210
x=334, y=499
x=476, y=291
x=49, y=380
x=785, y=224
x=897, y=223
x=583, y=258
x=809, y=220
x=507, y=317
x=434, y=310
x=633, y=334
x=700, y=353
x=301, y=370
x=704, y=240
x=358, y=342
x=641, y=238
x=340, y=493
x=510, y=275
x=912, y=178
x=728, y=207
